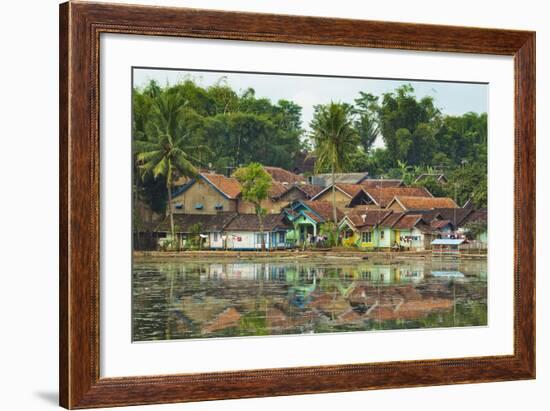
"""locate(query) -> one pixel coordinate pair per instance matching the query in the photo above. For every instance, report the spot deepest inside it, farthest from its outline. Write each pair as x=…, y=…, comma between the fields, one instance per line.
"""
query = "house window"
x=199, y=206
x=215, y=237
x=179, y=206
x=382, y=235
x=218, y=206
x=281, y=237
x=366, y=237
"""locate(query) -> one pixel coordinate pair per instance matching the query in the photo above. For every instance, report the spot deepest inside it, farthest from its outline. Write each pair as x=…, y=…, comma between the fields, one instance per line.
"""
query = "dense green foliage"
x=420, y=139
x=476, y=228
x=164, y=148
x=255, y=183
x=238, y=128
x=330, y=230
x=335, y=140
x=221, y=129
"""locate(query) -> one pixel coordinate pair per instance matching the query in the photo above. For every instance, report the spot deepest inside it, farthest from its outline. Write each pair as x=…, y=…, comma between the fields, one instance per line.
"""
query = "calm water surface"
x=227, y=298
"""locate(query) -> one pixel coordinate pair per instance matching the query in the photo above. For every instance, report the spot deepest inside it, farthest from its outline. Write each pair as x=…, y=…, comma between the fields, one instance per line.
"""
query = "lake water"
x=180, y=299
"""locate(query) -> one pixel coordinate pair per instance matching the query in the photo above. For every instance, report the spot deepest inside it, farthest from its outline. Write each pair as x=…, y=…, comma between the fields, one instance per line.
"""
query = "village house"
x=413, y=232
x=208, y=193
x=209, y=212
x=408, y=203
x=286, y=187
x=211, y=193
x=343, y=193
x=294, y=192
x=243, y=233
x=353, y=195
x=476, y=217
x=201, y=231
x=225, y=231
x=447, y=247
x=358, y=227
x=381, y=197
x=284, y=176
x=455, y=215
x=280, y=195
x=388, y=229
x=307, y=217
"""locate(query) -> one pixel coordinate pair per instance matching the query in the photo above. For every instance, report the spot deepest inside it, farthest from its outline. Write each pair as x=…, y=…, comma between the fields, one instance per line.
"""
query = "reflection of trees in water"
x=209, y=299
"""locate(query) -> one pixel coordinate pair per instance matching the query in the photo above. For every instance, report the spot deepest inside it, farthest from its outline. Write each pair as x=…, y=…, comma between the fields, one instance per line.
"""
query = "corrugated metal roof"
x=447, y=241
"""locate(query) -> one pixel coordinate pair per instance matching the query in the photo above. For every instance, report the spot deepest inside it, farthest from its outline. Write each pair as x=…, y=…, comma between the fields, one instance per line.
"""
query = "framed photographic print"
x=259, y=205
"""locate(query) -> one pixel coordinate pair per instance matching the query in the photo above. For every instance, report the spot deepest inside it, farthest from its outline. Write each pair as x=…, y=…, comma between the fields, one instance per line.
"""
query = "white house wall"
x=216, y=240
x=247, y=240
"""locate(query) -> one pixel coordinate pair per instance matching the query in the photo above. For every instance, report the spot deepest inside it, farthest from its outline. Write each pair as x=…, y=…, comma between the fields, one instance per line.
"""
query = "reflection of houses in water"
x=390, y=274
x=240, y=298
x=376, y=273
x=447, y=274
x=243, y=271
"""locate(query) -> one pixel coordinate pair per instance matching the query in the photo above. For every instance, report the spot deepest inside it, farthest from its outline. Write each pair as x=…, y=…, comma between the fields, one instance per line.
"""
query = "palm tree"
x=164, y=149
x=335, y=140
x=406, y=172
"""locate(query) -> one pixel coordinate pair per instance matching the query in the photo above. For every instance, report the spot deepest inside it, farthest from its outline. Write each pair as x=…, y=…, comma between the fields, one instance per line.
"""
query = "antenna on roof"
x=454, y=210
x=229, y=170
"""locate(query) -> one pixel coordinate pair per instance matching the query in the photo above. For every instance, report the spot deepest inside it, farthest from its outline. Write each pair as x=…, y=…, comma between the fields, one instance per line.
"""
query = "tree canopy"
x=239, y=128
x=255, y=183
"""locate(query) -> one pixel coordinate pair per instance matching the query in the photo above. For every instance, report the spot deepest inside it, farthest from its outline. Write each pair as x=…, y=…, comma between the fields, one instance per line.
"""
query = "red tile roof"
x=231, y=187
x=183, y=223
x=478, y=215
x=425, y=203
x=351, y=190
x=277, y=189
x=249, y=222
x=391, y=220
x=455, y=215
x=384, y=196
x=425, y=228
x=311, y=190
x=324, y=209
x=437, y=224
x=313, y=216
x=407, y=222
x=283, y=176
x=227, y=185
x=362, y=218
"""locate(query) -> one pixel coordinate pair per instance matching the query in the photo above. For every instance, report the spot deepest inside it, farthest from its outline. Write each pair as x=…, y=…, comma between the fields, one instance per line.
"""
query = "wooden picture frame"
x=80, y=27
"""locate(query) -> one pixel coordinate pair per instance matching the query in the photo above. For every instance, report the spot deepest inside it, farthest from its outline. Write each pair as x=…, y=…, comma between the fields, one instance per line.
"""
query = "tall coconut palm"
x=335, y=141
x=164, y=149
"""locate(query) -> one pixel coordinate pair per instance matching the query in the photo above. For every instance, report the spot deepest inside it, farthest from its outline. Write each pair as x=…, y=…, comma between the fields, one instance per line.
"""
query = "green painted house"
x=474, y=226
x=307, y=218
x=361, y=228
x=386, y=229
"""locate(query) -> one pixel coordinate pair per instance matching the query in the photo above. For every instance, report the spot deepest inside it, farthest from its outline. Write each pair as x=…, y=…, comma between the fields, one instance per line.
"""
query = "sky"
x=451, y=98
